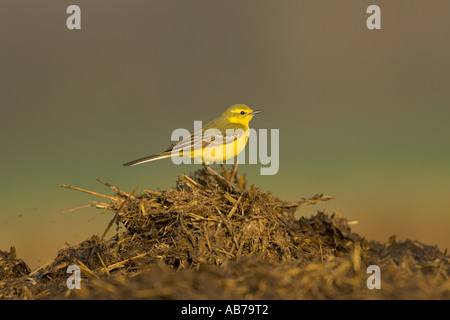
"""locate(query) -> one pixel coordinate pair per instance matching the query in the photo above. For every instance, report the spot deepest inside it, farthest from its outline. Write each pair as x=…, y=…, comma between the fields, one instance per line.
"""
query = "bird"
x=216, y=142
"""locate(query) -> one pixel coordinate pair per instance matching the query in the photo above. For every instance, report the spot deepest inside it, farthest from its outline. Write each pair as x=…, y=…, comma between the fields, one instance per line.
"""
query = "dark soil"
x=207, y=239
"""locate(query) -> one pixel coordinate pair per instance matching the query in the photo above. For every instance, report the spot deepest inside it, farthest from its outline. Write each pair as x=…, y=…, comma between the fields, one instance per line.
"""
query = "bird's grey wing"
x=186, y=143
x=211, y=137
x=215, y=138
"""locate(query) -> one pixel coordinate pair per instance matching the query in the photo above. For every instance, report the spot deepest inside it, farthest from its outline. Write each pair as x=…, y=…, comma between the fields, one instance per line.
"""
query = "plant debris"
x=210, y=237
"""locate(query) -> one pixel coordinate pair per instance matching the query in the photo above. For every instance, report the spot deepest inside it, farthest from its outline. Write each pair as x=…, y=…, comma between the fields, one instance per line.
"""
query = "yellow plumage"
x=217, y=141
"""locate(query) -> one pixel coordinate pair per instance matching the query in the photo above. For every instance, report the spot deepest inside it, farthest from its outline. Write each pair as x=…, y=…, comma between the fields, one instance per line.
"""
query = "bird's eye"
x=242, y=112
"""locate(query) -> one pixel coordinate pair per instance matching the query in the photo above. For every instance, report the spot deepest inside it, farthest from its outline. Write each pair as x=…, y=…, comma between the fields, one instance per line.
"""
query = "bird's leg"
x=234, y=171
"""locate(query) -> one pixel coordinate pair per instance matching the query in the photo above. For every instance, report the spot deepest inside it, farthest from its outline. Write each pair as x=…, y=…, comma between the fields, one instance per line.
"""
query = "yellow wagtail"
x=216, y=142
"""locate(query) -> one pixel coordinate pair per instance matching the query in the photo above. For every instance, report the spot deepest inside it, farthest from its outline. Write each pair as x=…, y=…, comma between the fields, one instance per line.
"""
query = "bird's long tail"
x=148, y=158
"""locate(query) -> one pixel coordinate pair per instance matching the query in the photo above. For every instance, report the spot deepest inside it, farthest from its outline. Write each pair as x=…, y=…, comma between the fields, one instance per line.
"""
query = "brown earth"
x=209, y=239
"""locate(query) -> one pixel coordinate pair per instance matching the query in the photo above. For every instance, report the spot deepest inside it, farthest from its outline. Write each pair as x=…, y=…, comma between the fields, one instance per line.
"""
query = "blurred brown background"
x=363, y=115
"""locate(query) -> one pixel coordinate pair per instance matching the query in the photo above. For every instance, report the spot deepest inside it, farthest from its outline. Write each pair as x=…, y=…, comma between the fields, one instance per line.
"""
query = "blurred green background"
x=363, y=115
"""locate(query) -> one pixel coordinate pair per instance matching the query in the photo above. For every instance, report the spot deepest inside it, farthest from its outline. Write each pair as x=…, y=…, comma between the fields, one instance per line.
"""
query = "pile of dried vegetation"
x=208, y=238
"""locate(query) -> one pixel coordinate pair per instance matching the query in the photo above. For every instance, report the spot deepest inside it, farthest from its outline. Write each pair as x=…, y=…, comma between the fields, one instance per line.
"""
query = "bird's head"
x=239, y=113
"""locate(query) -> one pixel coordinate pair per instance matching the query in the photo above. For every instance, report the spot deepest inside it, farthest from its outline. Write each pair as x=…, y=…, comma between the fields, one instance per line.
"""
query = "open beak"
x=256, y=112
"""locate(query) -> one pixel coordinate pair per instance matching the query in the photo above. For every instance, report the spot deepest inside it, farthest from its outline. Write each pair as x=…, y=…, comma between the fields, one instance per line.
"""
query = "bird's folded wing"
x=209, y=138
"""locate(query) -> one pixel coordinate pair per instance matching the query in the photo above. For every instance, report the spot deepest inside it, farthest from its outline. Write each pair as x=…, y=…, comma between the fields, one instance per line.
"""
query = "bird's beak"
x=256, y=112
